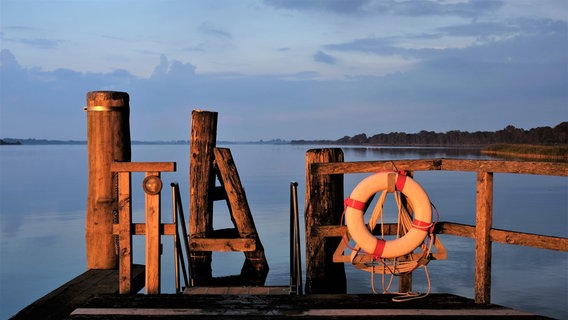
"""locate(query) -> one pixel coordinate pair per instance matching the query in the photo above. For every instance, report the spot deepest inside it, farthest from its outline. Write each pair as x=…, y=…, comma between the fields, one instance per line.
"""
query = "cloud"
x=41, y=43
x=208, y=29
x=520, y=40
x=323, y=57
x=468, y=9
x=335, y=6
x=486, y=86
x=174, y=69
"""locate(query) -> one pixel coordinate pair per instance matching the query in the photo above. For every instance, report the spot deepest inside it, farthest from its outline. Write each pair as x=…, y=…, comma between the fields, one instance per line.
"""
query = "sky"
x=284, y=69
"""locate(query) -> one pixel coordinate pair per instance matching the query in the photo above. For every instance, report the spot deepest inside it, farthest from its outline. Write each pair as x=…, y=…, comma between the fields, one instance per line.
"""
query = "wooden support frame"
x=153, y=228
x=208, y=163
x=255, y=268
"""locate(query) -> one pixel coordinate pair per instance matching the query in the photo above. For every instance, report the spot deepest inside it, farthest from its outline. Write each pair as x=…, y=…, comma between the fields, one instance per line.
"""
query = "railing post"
x=324, y=206
x=483, y=224
x=125, y=232
x=108, y=140
x=152, y=186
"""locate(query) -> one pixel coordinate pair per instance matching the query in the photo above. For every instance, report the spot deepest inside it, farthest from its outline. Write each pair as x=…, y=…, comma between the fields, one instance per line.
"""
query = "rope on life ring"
x=357, y=201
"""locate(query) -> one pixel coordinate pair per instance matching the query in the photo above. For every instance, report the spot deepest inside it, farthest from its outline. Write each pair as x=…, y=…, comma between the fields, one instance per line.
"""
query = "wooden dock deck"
x=317, y=306
x=94, y=295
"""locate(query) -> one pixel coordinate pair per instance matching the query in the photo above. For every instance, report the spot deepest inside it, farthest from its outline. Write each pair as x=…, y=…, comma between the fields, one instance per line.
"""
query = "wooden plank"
x=483, y=222
x=153, y=243
x=167, y=229
x=124, y=233
x=270, y=290
x=219, y=304
x=529, y=240
x=328, y=313
x=77, y=292
x=256, y=266
x=143, y=166
x=223, y=245
x=497, y=166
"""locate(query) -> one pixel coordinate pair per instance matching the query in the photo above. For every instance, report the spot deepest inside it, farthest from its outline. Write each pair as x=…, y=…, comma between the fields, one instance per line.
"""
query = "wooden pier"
x=110, y=287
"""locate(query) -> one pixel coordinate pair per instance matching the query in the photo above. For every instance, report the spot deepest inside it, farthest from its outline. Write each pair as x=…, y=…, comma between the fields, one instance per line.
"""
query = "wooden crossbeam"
x=223, y=245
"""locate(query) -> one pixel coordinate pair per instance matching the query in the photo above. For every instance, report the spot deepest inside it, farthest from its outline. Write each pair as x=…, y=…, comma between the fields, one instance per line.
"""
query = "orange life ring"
x=379, y=248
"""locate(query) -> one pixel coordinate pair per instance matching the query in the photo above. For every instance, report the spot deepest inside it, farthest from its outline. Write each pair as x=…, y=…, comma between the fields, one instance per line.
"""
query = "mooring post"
x=324, y=206
x=202, y=181
x=108, y=140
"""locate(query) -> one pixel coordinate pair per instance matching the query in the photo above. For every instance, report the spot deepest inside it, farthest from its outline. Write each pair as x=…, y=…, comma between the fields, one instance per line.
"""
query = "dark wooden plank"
x=59, y=303
x=321, y=306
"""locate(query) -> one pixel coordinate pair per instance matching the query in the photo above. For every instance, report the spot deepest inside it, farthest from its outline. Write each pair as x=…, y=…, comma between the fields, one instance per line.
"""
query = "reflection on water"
x=42, y=220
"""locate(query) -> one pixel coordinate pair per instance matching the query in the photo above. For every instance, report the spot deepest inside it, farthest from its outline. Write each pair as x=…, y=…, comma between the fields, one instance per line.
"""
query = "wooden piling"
x=108, y=140
x=202, y=178
x=324, y=206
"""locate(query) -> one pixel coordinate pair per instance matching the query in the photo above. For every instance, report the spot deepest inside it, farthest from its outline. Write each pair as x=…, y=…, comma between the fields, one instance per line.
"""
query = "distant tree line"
x=509, y=135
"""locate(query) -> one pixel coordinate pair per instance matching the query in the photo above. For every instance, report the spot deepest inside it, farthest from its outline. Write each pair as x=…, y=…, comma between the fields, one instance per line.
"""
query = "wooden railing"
x=152, y=228
x=320, y=190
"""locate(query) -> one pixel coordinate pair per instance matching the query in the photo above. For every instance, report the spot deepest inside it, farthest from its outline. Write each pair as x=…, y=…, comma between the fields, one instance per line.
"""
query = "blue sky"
x=286, y=69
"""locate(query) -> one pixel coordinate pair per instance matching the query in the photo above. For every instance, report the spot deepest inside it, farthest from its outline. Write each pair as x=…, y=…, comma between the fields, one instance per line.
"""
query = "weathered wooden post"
x=324, y=206
x=483, y=225
x=108, y=140
x=202, y=179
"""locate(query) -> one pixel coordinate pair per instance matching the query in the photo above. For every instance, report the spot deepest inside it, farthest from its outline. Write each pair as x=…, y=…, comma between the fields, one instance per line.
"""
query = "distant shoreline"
x=528, y=151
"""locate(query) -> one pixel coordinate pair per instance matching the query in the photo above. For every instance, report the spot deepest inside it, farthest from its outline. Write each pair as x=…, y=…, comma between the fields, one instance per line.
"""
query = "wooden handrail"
x=483, y=232
x=495, y=166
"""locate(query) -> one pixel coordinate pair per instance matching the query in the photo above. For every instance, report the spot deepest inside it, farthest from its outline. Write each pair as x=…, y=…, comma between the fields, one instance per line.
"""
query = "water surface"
x=42, y=221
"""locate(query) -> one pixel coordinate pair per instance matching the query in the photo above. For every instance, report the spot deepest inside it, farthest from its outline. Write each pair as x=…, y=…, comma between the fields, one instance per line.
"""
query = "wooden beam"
x=143, y=166
x=255, y=266
x=529, y=240
x=139, y=229
x=223, y=245
x=497, y=166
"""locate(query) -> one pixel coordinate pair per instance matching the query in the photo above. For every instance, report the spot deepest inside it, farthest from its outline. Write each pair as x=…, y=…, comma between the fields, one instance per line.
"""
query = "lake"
x=43, y=199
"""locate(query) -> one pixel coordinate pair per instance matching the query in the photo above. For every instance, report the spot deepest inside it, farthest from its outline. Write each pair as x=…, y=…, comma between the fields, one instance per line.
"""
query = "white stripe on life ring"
x=380, y=248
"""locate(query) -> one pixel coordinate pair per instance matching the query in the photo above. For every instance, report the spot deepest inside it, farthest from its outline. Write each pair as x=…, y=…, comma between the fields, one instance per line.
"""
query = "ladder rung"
x=223, y=244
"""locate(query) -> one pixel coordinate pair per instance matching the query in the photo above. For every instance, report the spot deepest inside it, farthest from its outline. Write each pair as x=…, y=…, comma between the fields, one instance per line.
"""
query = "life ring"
x=379, y=248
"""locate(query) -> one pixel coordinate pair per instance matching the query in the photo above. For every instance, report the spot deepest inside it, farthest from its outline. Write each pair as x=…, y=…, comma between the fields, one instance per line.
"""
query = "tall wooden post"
x=324, y=206
x=483, y=225
x=108, y=140
x=202, y=180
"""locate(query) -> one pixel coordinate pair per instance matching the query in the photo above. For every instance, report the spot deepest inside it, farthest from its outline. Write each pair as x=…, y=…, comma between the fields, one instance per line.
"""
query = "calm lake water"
x=42, y=221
